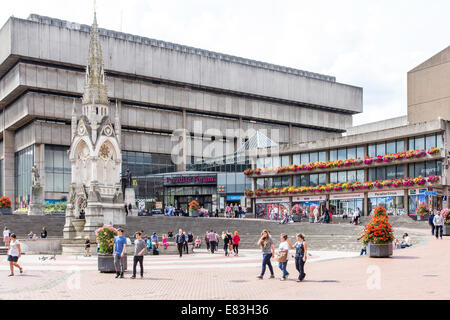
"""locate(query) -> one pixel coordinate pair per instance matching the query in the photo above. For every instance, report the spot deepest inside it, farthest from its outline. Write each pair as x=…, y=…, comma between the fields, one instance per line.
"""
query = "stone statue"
x=129, y=179
x=36, y=176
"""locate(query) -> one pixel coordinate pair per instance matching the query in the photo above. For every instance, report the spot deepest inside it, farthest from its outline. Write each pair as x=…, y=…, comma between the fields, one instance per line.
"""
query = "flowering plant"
x=257, y=171
x=368, y=160
x=368, y=185
x=420, y=180
x=258, y=192
x=408, y=182
x=379, y=230
x=378, y=158
x=422, y=209
x=5, y=202
x=194, y=205
x=420, y=153
x=378, y=184
x=433, y=179
x=105, y=239
x=388, y=157
x=248, y=193
x=433, y=151
x=446, y=216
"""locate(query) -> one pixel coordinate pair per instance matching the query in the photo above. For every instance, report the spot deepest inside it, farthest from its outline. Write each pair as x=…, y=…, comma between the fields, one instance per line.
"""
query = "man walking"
x=130, y=209
x=438, y=222
x=139, y=249
x=212, y=240
x=431, y=223
x=120, y=245
x=186, y=245
x=126, y=209
x=179, y=240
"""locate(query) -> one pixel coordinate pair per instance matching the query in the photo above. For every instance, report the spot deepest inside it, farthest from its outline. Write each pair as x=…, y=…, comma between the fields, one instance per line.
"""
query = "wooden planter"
x=5, y=211
x=106, y=263
x=446, y=230
x=383, y=250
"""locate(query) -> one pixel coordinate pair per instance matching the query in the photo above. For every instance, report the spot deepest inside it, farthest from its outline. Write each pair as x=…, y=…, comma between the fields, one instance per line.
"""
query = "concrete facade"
x=429, y=89
x=159, y=87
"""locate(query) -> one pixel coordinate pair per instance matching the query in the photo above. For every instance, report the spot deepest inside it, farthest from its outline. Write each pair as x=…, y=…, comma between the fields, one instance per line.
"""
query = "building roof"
x=257, y=141
x=439, y=58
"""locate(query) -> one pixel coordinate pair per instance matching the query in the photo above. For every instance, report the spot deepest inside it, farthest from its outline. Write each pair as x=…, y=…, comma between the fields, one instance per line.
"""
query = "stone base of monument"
x=37, y=200
x=130, y=197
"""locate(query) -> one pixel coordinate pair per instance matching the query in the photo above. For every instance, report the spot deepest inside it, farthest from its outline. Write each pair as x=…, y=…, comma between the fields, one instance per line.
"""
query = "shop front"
x=180, y=190
x=272, y=209
x=304, y=205
x=346, y=202
x=432, y=196
x=392, y=201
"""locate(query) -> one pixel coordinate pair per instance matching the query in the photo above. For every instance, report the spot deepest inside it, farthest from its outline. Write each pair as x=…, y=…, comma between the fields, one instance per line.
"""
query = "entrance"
x=203, y=200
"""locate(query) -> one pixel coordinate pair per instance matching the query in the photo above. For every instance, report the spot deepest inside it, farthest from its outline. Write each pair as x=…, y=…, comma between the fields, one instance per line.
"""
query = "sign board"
x=382, y=194
x=221, y=202
x=158, y=205
x=413, y=192
x=431, y=193
x=347, y=196
x=272, y=200
x=234, y=197
x=309, y=198
x=190, y=180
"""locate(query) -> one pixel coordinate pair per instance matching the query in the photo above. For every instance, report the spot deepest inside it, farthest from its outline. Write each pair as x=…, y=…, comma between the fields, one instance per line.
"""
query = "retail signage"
x=413, y=192
x=272, y=200
x=234, y=197
x=158, y=205
x=190, y=180
x=310, y=198
x=431, y=193
x=381, y=194
x=346, y=196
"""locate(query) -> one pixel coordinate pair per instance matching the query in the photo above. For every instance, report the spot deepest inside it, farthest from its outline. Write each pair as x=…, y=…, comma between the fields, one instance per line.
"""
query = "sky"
x=369, y=44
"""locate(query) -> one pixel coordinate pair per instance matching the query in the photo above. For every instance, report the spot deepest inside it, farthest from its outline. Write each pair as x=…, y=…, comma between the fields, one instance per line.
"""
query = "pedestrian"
x=87, y=247
x=268, y=252
x=126, y=210
x=207, y=240
x=227, y=241
x=327, y=216
x=130, y=209
x=438, y=222
x=6, y=235
x=164, y=241
x=139, y=249
x=282, y=257
x=191, y=240
x=43, y=233
x=316, y=213
x=14, y=254
x=301, y=252
x=236, y=240
x=356, y=215
x=430, y=222
x=155, y=240
x=217, y=213
x=227, y=211
x=217, y=242
x=179, y=240
x=198, y=243
x=364, y=247
x=212, y=240
x=120, y=246
x=344, y=215
x=239, y=212
x=186, y=245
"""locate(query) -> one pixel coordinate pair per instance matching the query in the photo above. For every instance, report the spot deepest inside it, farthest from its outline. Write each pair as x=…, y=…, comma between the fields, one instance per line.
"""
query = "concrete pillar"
x=8, y=166
x=406, y=201
x=366, y=204
x=183, y=154
x=39, y=161
x=291, y=132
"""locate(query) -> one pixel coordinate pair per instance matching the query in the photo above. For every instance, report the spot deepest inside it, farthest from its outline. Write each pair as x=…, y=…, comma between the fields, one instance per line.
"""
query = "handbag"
x=282, y=256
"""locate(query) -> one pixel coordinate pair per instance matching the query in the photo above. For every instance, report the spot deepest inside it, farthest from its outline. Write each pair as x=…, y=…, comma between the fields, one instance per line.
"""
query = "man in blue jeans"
x=268, y=250
x=120, y=245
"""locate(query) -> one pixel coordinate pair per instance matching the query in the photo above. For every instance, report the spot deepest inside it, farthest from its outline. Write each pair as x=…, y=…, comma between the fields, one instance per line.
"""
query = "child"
x=198, y=242
x=164, y=241
x=363, y=249
x=87, y=247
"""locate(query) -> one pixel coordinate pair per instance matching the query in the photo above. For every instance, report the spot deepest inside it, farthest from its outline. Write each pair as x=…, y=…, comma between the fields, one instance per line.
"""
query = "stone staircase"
x=341, y=235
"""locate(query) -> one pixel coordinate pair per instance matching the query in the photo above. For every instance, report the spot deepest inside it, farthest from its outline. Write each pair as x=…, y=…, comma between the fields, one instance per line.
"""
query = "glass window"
x=285, y=181
x=411, y=170
x=296, y=159
x=260, y=183
x=342, y=154
x=285, y=161
x=260, y=162
x=304, y=180
x=390, y=147
x=400, y=171
x=351, y=153
x=276, y=161
x=360, y=175
x=304, y=158
x=371, y=150
x=438, y=168
x=267, y=162
x=333, y=155
x=351, y=176
x=419, y=143
x=360, y=152
x=400, y=145
x=391, y=172
x=333, y=177
x=323, y=156
x=342, y=177
x=381, y=149
x=297, y=181
x=419, y=169
x=276, y=182
x=411, y=144
x=439, y=140
x=381, y=173
x=322, y=178
x=430, y=141
x=314, y=180
x=314, y=157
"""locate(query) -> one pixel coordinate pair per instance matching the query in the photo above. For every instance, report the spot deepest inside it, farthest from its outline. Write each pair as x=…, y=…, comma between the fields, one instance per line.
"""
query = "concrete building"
x=429, y=89
x=159, y=87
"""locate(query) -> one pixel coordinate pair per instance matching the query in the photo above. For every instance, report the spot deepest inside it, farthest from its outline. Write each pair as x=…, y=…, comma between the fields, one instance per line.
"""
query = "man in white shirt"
x=438, y=222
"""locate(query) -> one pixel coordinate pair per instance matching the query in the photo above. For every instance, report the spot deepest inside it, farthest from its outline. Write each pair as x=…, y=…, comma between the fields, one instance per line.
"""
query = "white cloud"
x=363, y=43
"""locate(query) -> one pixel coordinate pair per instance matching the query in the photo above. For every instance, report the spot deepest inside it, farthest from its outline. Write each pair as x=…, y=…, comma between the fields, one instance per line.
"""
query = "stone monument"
x=130, y=194
x=37, y=194
x=95, y=196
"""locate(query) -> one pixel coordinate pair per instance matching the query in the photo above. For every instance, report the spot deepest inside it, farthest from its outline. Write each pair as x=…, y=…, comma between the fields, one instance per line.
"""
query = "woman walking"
x=6, y=235
x=14, y=254
x=283, y=252
x=268, y=251
x=236, y=240
x=301, y=252
x=207, y=240
x=227, y=240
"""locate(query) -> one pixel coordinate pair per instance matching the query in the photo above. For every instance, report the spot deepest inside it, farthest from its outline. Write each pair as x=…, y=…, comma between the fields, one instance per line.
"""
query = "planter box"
x=106, y=263
x=5, y=211
x=380, y=250
x=193, y=213
x=446, y=230
x=311, y=220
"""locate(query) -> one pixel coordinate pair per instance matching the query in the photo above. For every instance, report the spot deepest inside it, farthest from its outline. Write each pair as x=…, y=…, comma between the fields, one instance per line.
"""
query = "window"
x=391, y=172
x=425, y=169
x=372, y=150
x=390, y=147
x=333, y=155
x=430, y=141
x=296, y=159
x=304, y=158
x=322, y=178
x=23, y=162
x=285, y=161
x=333, y=177
x=439, y=140
x=351, y=153
x=372, y=174
x=411, y=144
x=304, y=180
x=351, y=176
x=381, y=173
x=342, y=154
x=323, y=156
x=285, y=181
x=314, y=180
x=381, y=149
x=314, y=157
x=342, y=176
x=360, y=152
x=400, y=145
x=419, y=143
x=360, y=175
